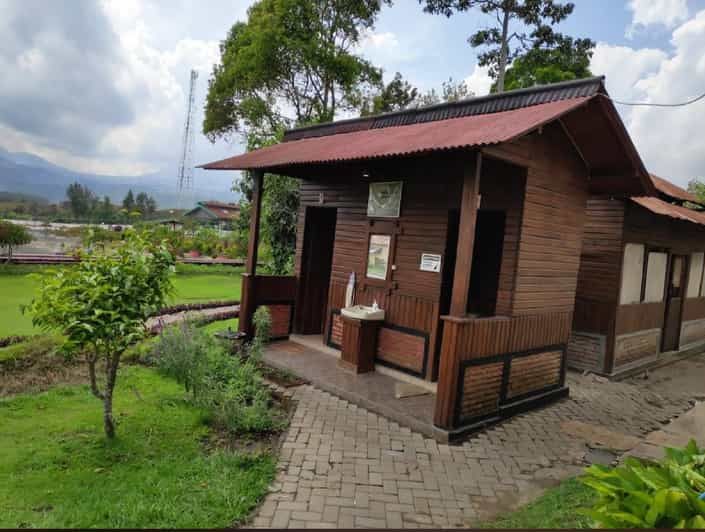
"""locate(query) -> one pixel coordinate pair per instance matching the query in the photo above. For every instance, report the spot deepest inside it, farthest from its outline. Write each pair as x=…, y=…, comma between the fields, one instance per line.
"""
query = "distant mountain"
x=27, y=173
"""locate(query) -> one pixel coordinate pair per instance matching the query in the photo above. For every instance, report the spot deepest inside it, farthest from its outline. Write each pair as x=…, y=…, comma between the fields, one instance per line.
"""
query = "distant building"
x=215, y=213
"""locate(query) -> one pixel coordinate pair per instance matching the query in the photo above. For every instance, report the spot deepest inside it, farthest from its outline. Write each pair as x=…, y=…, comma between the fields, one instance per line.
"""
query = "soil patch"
x=33, y=375
x=265, y=442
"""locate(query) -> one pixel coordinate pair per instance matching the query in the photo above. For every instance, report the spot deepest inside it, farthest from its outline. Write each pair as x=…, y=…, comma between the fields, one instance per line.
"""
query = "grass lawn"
x=557, y=508
x=18, y=288
x=58, y=470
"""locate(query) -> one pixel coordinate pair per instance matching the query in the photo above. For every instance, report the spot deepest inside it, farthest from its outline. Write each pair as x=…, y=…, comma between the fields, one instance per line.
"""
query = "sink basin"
x=362, y=312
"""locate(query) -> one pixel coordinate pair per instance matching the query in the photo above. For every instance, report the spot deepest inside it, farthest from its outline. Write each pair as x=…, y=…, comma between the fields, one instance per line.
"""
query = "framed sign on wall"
x=385, y=199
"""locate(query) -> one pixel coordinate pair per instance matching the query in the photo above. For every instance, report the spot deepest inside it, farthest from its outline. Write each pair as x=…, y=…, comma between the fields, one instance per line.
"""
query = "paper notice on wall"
x=430, y=263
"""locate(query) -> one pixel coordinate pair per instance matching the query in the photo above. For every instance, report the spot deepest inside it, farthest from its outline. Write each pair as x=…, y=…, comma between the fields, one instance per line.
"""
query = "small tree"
x=12, y=235
x=101, y=307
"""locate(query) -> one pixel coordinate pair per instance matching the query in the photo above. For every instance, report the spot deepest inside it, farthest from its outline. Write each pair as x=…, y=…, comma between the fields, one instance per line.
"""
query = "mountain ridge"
x=28, y=173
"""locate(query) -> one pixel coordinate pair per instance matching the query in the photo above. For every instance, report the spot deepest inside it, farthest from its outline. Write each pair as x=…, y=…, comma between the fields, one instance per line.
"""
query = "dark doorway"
x=675, y=291
x=486, y=262
x=446, y=282
x=316, y=263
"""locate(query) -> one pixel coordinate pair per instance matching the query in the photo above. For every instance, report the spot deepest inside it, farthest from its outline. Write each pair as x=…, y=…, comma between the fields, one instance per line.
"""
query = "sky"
x=101, y=85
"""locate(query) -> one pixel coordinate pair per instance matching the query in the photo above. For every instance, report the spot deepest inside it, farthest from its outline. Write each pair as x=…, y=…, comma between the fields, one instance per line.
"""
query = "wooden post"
x=466, y=238
x=248, y=300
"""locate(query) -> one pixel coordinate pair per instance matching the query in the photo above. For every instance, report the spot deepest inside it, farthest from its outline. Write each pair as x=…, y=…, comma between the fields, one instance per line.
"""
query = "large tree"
x=539, y=66
x=292, y=63
x=521, y=25
x=81, y=200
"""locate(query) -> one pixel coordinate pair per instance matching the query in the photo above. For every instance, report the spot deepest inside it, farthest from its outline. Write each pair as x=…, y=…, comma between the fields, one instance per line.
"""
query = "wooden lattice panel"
x=482, y=385
x=534, y=372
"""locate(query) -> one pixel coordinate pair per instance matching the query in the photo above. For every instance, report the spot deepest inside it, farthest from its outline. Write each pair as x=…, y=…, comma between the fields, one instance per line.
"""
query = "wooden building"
x=640, y=293
x=215, y=213
x=464, y=222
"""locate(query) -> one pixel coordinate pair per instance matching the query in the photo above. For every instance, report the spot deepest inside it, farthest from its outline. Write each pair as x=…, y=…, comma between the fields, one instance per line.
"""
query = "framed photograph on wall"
x=385, y=199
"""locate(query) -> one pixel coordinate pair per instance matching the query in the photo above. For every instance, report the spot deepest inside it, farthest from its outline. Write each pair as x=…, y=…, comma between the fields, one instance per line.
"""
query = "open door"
x=316, y=263
x=486, y=262
x=675, y=292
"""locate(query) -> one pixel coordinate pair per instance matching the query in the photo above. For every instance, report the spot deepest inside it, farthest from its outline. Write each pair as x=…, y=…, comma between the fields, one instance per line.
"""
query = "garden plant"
x=101, y=307
x=665, y=494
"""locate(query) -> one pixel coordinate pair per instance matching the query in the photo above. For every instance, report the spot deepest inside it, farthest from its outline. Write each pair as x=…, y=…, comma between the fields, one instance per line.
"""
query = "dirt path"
x=169, y=319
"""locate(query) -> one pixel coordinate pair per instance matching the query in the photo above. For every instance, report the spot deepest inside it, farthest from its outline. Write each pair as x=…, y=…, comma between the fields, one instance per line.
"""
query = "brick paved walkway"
x=342, y=466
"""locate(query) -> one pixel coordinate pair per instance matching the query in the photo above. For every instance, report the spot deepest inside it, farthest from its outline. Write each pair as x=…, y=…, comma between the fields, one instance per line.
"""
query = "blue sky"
x=120, y=109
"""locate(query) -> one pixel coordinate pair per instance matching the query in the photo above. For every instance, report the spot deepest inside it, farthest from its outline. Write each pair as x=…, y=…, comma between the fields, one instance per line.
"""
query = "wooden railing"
x=490, y=364
x=274, y=291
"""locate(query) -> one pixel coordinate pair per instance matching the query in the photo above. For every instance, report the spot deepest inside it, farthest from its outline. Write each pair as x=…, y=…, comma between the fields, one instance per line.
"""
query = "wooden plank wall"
x=431, y=188
x=546, y=274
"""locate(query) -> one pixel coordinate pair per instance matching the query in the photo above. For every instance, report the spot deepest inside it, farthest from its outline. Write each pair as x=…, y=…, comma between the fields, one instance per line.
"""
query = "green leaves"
x=650, y=495
x=101, y=305
x=295, y=51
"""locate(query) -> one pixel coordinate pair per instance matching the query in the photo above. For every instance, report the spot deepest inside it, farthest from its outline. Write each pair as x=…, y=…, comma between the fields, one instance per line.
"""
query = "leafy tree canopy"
x=521, y=25
x=539, y=66
x=399, y=94
x=81, y=200
x=299, y=53
x=13, y=235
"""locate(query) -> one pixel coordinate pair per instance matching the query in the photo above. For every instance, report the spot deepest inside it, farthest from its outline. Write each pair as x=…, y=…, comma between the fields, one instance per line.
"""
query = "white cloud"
x=385, y=48
x=101, y=88
x=669, y=139
x=479, y=81
x=645, y=13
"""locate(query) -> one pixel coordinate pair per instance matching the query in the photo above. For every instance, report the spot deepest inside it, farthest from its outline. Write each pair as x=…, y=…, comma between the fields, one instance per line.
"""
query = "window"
x=632, y=274
x=643, y=274
x=655, y=277
x=696, y=274
x=378, y=256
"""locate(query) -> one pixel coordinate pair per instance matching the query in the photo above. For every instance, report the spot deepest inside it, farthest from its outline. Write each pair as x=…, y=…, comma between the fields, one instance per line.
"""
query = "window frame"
x=654, y=249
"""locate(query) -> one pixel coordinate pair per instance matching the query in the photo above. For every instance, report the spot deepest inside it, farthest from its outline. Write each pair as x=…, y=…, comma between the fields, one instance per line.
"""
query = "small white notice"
x=430, y=263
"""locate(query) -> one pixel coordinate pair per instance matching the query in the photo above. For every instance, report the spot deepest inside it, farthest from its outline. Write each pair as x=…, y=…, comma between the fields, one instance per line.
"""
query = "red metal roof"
x=664, y=208
x=465, y=132
x=674, y=191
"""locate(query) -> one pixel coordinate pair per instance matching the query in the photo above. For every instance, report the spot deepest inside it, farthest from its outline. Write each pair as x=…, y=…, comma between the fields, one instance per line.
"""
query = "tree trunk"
x=111, y=366
x=503, y=52
x=108, y=422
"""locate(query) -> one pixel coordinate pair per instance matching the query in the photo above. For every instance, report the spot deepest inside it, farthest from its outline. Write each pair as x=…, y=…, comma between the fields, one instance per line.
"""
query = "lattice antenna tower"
x=185, y=177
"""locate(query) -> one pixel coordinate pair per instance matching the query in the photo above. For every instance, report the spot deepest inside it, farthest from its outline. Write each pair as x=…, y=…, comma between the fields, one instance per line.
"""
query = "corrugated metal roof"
x=493, y=103
x=663, y=208
x=673, y=191
x=429, y=136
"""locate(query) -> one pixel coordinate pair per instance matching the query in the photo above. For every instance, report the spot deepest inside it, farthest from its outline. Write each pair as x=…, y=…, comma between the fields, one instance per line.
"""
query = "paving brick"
x=341, y=466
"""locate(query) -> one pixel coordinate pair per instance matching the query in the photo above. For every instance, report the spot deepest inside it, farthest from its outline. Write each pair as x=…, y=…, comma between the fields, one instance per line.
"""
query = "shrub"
x=667, y=494
x=229, y=388
x=101, y=307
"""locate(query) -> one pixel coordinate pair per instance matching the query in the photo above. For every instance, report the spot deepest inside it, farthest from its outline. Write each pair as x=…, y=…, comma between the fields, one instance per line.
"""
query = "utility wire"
x=646, y=104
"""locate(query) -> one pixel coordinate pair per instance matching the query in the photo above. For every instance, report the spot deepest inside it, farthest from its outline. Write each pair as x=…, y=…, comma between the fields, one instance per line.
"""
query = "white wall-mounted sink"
x=363, y=312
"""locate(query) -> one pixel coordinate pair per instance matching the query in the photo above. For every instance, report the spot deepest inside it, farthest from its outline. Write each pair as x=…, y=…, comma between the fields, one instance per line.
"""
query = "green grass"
x=58, y=470
x=18, y=288
x=557, y=508
x=221, y=325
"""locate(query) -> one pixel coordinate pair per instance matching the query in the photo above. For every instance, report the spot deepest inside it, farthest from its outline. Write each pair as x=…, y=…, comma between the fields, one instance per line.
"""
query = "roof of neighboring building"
x=217, y=209
x=586, y=112
x=673, y=191
x=663, y=208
